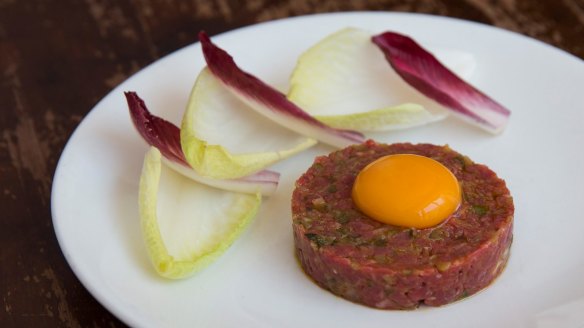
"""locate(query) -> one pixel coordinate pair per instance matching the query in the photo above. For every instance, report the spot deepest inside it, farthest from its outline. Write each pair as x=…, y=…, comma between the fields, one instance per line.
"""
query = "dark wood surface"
x=59, y=57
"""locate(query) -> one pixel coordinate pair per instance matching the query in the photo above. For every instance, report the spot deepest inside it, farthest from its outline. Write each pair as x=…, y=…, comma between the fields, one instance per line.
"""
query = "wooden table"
x=58, y=58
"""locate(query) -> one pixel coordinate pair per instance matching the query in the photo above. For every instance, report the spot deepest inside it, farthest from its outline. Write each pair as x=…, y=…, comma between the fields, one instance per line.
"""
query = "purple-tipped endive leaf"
x=270, y=102
x=426, y=74
x=223, y=139
x=165, y=137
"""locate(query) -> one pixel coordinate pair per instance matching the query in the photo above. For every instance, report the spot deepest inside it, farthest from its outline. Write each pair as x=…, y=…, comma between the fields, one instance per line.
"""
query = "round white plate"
x=258, y=282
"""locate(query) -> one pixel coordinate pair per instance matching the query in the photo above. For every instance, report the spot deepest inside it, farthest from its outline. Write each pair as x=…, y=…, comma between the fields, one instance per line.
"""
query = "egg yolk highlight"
x=407, y=190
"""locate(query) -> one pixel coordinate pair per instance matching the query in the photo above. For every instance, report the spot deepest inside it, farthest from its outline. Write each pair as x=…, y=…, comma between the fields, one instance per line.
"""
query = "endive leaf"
x=425, y=73
x=264, y=182
x=187, y=225
x=345, y=82
x=165, y=136
x=268, y=101
x=390, y=118
x=223, y=139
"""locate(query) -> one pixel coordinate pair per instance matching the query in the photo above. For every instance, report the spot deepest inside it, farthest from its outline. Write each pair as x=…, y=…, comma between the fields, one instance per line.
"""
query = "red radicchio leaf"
x=425, y=73
x=269, y=101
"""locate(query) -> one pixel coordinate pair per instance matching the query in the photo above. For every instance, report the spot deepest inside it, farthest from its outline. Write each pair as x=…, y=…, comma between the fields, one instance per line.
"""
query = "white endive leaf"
x=389, y=118
x=223, y=139
x=187, y=225
x=345, y=81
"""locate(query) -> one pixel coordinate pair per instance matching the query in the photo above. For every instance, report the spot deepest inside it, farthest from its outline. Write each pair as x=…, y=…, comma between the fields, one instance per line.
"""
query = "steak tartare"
x=390, y=267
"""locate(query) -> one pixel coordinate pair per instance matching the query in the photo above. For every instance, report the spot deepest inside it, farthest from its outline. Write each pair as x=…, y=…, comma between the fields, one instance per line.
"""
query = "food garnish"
x=186, y=225
x=223, y=138
x=423, y=71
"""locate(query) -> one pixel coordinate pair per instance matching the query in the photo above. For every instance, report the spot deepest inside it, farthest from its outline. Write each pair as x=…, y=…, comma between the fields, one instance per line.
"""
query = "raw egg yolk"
x=407, y=190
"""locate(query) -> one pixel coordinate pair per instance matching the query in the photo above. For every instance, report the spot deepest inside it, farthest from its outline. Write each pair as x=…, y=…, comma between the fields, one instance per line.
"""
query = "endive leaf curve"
x=186, y=225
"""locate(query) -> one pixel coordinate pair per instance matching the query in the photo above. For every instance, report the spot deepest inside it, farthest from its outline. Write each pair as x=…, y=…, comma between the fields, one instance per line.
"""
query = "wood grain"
x=58, y=58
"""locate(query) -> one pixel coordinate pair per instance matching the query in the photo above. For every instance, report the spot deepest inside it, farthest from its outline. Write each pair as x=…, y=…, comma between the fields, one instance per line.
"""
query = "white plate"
x=258, y=283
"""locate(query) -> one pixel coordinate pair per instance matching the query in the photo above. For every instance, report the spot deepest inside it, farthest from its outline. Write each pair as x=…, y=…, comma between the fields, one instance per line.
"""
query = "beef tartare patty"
x=390, y=267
